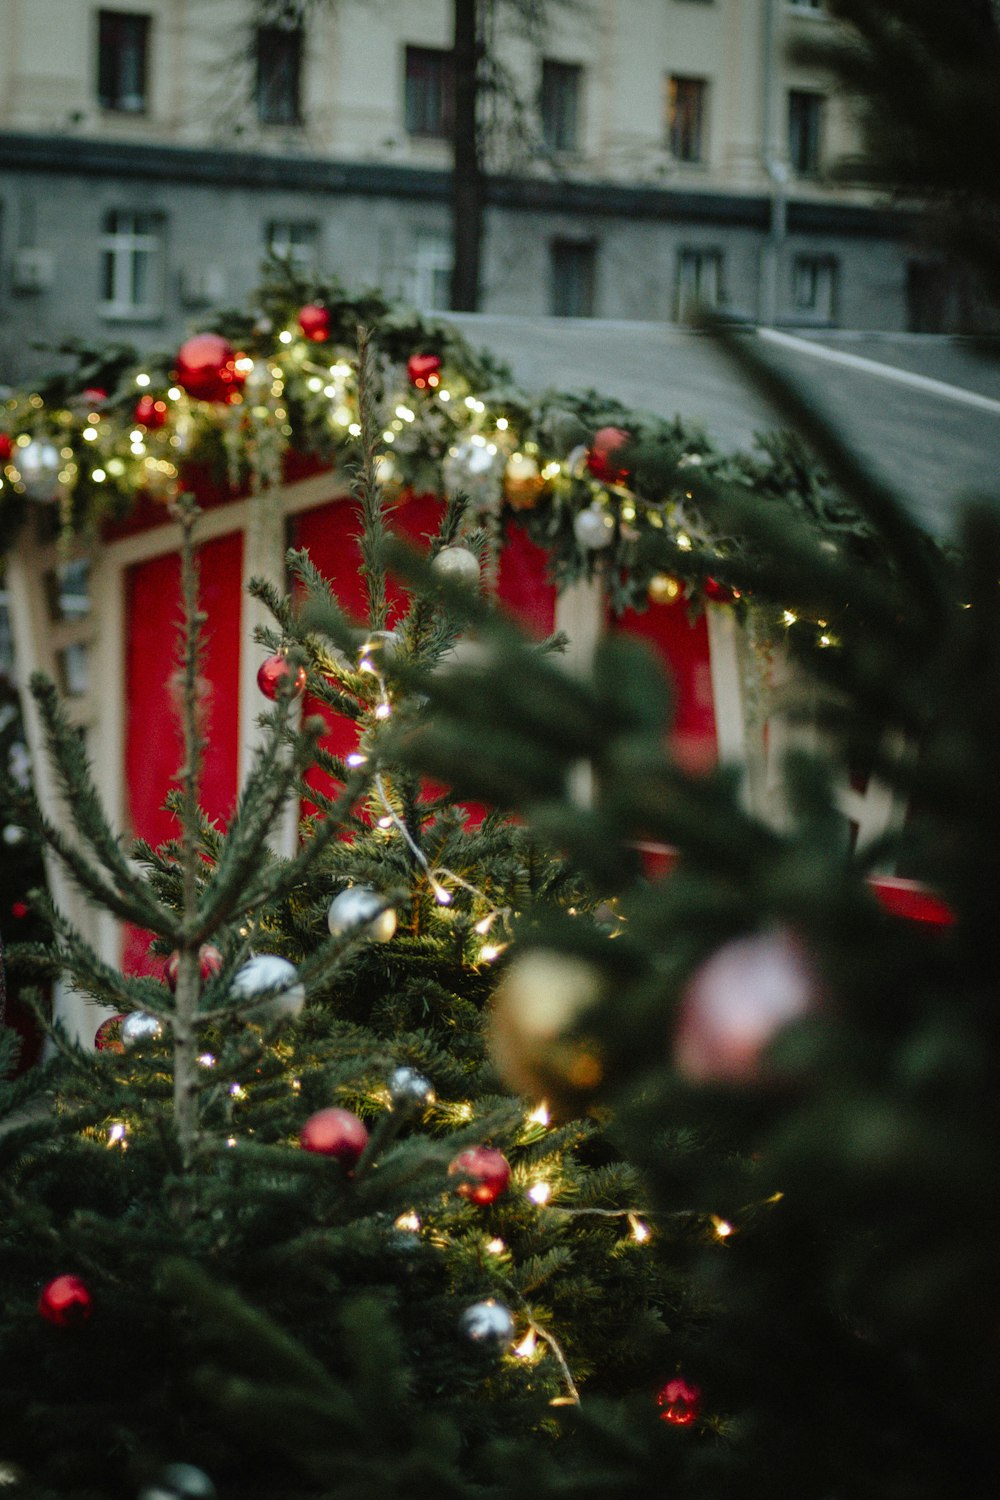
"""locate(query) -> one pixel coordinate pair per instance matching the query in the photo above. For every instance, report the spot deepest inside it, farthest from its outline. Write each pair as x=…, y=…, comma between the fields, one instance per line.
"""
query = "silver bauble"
x=39, y=464
x=457, y=563
x=489, y=1324
x=471, y=469
x=594, y=528
x=266, y=971
x=179, y=1482
x=138, y=1028
x=409, y=1089
x=361, y=911
x=377, y=649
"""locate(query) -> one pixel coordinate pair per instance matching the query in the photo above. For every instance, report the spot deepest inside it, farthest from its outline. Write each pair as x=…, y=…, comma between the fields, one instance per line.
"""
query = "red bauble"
x=486, y=1173
x=337, y=1133
x=601, y=455
x=719, y=593
x=93, y=396
x=275, y=671
x=314, y=320
x=206, y=368
x=679, y=1402
x=6, y=447
x=150, y=412
x=19, y=910
x=209, y=964
x=424, y=370
x=65, y=1301
x=107, y=1036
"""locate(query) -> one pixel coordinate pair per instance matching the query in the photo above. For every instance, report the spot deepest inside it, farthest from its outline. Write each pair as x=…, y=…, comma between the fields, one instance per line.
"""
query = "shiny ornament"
x=541, y=997
x=737, y=1001
x=522, y=482
x=362, y=911
x=179, y=1482
x=209, y=964
x=336, y=1133
x=601, y=455
x=489, y=1324
x=424, y=370
x=39, y=466
x=93, y=396
x=662, y=589
x=471, y=469
x=277, y=670
x=459, y=564
x=594, y=527
x=377, y=650
x=19, y=910
x=679, y=1402
x=6, y=447
x=314, y=320
x=719, y=593
x=267, y=972
x=205, y=368
x=485, y=1174
x=66, y=1301
x=138, y=1029
x=107, y=1037
x=409, y=1089
x=150, y=412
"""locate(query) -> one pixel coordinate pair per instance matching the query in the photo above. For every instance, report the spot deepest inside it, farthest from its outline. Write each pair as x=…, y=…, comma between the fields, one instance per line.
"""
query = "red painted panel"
x=524, y=586
x=682, y=644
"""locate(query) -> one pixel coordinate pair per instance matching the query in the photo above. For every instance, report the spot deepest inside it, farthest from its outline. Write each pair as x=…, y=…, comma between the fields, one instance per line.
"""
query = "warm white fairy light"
x=442, y=896
x=405, y=413
x=355, y=429
x=231, y=1141
x=237, y=1091
x=206, y=1060
x=98, y=476
x=285, y=336
x=357, y=759
x=116, y=1134
x=491, y=951
x=723, y=1228
x=142, y=379
x=385, y=822
x=470, y=402
x=89, y=434
x=540, y=1114
x=383, y=711
x=409, y=1222
x=540, y=1192
x=388, y=436
x=640, y=1232
x=314, y=384
x=444, y=395
x=175, y=393
x=502, y=424
x=495, y=1247
x=683, y=541
x=788, y=617
x=551, y=470
x=528, y=1346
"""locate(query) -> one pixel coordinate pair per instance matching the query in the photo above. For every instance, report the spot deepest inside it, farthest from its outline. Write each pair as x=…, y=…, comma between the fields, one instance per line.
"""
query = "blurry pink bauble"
x=737, y=1002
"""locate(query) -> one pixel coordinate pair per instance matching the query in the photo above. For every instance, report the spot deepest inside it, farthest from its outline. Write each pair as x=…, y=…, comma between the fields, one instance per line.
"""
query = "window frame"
x=805, y=149
x=439, y=89
x=110, y=91
x=120, y=248
x=679, y=121
x=821, y=308
x=306, y=257
x=560, y=82
x=267, y=77
x=584, y=253
x=687, y=298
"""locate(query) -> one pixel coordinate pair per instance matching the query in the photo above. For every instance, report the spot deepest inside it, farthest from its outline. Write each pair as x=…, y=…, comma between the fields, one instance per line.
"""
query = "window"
x=927, y=297
x=814, y=287
x=430, y=92
x=686, y=118
x=131, y=264
x=573, y=265
x=429, y=286
x=561, y=105
x=699, y=281
x=805, y=120
x=122, y=48
x=294, y=241
x=279, y=75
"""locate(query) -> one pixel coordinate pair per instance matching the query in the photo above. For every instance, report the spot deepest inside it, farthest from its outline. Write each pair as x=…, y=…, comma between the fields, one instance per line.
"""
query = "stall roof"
x=924, y=410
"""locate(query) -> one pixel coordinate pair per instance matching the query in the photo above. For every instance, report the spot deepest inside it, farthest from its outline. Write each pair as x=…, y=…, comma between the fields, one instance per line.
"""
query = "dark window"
x=814, y=287
x=430, y=91
x=561, y=105
x=122, y=48
x=573, y=267
x=927, y=297
x=805, y=123
x=699, y=282
x=686, y=123
x=279, y=75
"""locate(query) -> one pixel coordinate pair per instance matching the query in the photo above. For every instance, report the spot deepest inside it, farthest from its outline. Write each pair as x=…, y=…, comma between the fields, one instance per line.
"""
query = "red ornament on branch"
x=150, y=412
x=209, y=964
x=107, y=1037
x=679, y=1402
x=424, y=370
x=719, y=593
x=601, y=461
x=486, y=1174
x=336, y=1133
x=66, y=1301
x=206, y=368
x=276, y=670
x=314, y=320
x=6, y=447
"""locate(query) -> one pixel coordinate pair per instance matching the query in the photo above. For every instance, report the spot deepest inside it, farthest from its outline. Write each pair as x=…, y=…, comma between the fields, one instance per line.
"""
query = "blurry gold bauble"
x=663, y=589
x=522, y=483
x=540, y=998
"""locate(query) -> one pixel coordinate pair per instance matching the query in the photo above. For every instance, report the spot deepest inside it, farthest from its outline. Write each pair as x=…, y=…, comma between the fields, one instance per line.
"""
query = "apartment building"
x=651, y=154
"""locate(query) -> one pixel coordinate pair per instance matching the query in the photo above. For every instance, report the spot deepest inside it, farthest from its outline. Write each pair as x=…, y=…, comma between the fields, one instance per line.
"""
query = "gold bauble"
x=522, y=483
x=540, y=998
x=663, y=589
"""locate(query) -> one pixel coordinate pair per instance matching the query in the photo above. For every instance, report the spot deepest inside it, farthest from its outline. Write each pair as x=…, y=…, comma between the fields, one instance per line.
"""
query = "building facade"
x=655, y=154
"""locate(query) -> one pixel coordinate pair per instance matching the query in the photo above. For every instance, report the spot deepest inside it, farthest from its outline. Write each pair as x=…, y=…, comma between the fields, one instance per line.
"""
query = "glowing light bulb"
x=98, y=476
x=441, y=896
x=502, y=424
x=405, y=413
x=355, y=429
x=383, y=711
x=788, y=617
x=175, y=393
x=410, y=1222
x=357, y=759
x=116, y=1133
x=237, y=1091
x=540, y=1192
x=444, y=395
x=206, y=1060
x=89, y=434
x=495, y=1247
x=683, y=541
x=526, y=1348
x=142, y=379
x=285, y=336
x=640, y=1231
x=540, y=1115
x=385, y=822
x=723, y=1228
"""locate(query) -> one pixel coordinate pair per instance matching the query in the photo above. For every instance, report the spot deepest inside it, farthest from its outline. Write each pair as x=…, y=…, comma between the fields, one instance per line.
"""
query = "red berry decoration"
x=65, y=1301
x=107, y=1037
x=150, y=412
x=719, y=593
x=206, y=368
x=424, y=370
x=209, y=964
x=679, y=1402
x=6, y=447
x=19, y=910
x=486, y=1173
x=276, y=670
x=337, y=1133
x=314, y=320
x=601, y=455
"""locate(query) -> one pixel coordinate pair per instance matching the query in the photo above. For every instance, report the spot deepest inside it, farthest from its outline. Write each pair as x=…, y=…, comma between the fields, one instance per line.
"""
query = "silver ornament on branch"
x=377, y=650
x=489, y=1324
x=39, y=466
x=139, y=1028
x=266, y=972
x=361, y=910
x=459, y=564
x=409, y=1089
x=471, y=469
x=594, y=527
x=179, y=1482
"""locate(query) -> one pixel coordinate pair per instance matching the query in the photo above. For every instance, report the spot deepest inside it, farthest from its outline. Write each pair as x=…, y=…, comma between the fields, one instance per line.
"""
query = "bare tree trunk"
x=467, y=197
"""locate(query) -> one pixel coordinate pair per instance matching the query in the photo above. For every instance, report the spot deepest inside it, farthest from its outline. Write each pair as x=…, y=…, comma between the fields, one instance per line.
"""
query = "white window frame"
x=295, y=241
x=433, y=257
x=121, y=246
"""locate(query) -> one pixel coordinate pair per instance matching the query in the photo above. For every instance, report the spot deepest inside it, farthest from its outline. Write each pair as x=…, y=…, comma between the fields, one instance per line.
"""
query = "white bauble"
x=363, y=911
x=266, y=972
